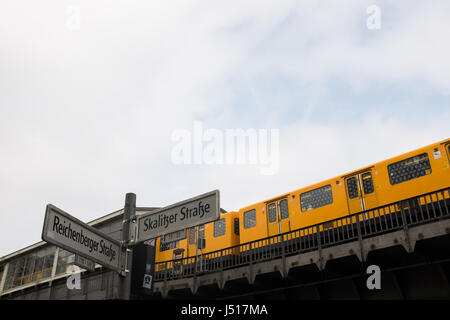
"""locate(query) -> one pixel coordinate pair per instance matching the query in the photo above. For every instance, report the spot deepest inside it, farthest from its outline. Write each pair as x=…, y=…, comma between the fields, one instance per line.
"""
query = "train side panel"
x=220, y=234
x=252, y=222
x=320, y=202
x=417, y=172
x=377, y=185
x=226, y=237
x=413, y=173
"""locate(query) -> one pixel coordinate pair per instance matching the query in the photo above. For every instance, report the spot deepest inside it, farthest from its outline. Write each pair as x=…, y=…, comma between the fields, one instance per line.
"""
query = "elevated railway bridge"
x=409, y=241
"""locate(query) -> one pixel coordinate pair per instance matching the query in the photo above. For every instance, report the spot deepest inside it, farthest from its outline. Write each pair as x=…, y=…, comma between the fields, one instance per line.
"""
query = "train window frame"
x=371, y=182
x=192, y=235
x=220, y=228
x=272, y=217
x=311, y=192
x=286, y=216
x=397, y=179
x=352, y=195
x=178, y=235
x=201, y=231
x=250, y=223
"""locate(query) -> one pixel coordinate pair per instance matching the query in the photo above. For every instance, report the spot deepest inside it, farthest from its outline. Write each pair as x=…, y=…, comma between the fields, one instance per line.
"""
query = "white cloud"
x=310, y=153
x=86, y=115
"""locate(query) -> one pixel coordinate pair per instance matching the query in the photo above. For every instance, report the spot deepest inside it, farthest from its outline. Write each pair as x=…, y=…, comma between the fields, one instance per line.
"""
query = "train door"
x=361, y=193
x=278, y=217
x=191, y=242
x=178, y=261
x=196, y=245
x=195, y=233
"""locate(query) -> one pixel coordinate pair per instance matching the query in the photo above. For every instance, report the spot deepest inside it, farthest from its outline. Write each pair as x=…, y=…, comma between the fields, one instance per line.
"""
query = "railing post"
x=445, y=201
x=405, y=226
x=194, y=281
x=221, y=269
x=165, y=277
x=358, y=227
x=283, y=258
x=251, y=264
x=319, y=247
x=195, y=268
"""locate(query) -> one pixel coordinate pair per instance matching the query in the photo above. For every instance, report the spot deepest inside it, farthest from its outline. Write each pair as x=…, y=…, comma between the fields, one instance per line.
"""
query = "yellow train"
x=222, y=233
x=411, y=174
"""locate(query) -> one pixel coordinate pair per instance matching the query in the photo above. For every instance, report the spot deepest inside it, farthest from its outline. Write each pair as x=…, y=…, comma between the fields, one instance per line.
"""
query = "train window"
x=352, y=187
x=250, y=219
x=316, y=198
x=192, y=236
x=367, y=182
x=409, y=169
x=284, y=212
x=219, y=228
x=272, y=212
x=201, y=232
x=174, y=236
x=236, y=226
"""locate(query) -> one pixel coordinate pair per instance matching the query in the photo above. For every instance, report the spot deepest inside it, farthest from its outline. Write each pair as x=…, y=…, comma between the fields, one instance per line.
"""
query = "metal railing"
x=384, y=219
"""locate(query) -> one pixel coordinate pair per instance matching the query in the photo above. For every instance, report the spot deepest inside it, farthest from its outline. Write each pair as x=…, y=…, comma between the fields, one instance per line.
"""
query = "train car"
x=398, y=178
x=200, y=242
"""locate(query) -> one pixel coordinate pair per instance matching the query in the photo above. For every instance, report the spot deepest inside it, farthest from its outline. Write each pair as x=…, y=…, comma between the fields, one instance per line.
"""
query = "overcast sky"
x=91, y=92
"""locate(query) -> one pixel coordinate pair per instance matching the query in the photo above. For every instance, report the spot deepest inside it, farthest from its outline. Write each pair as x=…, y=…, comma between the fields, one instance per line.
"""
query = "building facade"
x=44, y=271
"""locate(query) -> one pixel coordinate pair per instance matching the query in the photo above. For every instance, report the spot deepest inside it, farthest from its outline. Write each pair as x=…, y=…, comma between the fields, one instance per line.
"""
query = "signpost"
x=71, y=234
x=92, y=246
x=182, y=215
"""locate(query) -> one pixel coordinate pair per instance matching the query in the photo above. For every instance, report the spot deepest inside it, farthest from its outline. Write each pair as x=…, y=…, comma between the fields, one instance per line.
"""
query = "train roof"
x=339, y=177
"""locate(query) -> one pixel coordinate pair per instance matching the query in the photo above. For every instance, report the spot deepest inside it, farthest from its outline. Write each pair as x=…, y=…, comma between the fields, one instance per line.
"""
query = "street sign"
x=84, y=263
x=147, y=284
x=182, y=215
x=71, y=234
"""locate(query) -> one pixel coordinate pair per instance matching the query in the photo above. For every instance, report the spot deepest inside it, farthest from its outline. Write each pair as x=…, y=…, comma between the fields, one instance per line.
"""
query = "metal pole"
x=358, y=228
x=128, y=238
x=319, y=247
x=196, y=248
x=405, y=224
